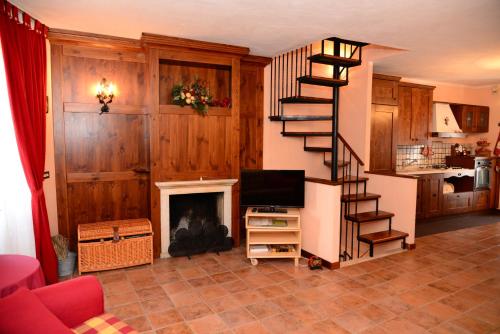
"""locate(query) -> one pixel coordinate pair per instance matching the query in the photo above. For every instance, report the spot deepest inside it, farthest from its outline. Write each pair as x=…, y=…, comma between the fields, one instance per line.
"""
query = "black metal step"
x=300, y=118
x=370, y=216
x=306, y=99
x=340, y=163
x=334, y=60
x=361, y=197
x=322, y=81
x=353, y=179
x=305, y=134
x=317, y=149
x=346, y=41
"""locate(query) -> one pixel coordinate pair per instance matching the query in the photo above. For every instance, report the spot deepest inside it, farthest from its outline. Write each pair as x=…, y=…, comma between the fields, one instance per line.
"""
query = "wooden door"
x=403, y=133
x=421, y=108
x=382, y=144
x=385, y=92
x=420, y=212
x=434, y=195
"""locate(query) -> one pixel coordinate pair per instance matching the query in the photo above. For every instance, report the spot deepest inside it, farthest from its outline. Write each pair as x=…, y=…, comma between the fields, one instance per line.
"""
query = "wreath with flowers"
x=197, y=95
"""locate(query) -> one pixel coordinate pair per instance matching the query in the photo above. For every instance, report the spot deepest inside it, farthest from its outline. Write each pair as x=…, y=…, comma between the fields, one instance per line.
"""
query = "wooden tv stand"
x=273, y=235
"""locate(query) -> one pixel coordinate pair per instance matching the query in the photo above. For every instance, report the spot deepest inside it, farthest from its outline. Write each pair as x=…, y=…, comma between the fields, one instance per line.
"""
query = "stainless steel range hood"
x=444, y=124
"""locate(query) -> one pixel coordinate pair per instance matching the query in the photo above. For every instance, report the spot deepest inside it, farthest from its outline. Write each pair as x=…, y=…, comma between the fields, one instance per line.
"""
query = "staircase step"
x=382, y=236
x=360, y=198
x=370, y=216
x=340, y=163
x=301, y=118
x=305, y=134
x=353, y=179
x=322, y=81
x=306, y=99
x=317, y=149
x=334, y=60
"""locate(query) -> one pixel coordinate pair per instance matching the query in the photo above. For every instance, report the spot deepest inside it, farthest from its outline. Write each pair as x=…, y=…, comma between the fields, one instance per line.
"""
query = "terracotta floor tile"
x=164, y=318
x=488, y=312
x=144, y=282
x=251, y=328
x=211, y=324
x=235, y=286
x=189, y=273
x=402, y=326
x=247, y=297
x=263, y=309
x=178, y=328
x=157, y=304
x=271, y=291
x=188, y=297
x=120, y=299
x=194, y=311
x=140, y=324
x=306, y=315
x=393, y=304
x=223, y=303
x=350, y=301
x=463, y=300
x=421, y=318
x=236, y=317
x=287, y=302
x=375, y=314
x=175, y=287
x=281, y=323
x=352, y=322
x=324, y=327
x=167, y=277
x=152, y=292
x=312, y=295
x=278, y=276
x=211, y=292
x=440, y=311
x=448, y=328
x=473, y=325
x=201, y=281
x=224, y=277
x=421, y=296
x=127, y=311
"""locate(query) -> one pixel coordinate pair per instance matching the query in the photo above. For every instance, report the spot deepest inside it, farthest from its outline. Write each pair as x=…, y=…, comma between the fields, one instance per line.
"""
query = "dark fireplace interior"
x=196, y=224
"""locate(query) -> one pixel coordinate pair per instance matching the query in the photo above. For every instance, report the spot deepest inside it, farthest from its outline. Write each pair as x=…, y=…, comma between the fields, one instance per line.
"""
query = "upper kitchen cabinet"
x=471, y=119
x=415, y=110
x=385, y=89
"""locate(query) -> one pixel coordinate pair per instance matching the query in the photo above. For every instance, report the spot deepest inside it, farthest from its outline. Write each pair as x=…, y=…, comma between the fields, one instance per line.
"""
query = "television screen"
x=276, y=188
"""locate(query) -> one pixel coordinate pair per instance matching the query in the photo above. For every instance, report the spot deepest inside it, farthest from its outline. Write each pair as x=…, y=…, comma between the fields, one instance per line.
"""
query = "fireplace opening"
x=196, y=224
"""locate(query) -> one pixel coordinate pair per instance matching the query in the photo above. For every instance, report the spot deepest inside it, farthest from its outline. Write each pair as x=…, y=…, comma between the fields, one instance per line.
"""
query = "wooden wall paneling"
x=251, y=115
x=59, y=143
x=152, y=56
x=235, y=147
x=104, y=54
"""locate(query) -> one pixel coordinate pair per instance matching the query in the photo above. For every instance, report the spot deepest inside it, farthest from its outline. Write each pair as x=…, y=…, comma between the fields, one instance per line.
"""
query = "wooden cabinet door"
x=385, y=92
x=435, y=195
x=481, y=119
x=481, y=200
x=382, y=144
x=420, y=212
x=421, y=108
x=403, y=133
x=457, y=202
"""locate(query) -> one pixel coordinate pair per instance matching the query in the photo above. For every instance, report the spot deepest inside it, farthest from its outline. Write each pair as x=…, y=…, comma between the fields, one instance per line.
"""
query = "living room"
x=173, y=176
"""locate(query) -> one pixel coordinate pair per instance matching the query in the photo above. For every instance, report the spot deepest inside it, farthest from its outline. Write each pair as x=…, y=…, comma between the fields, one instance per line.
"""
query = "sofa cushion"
x=22, y=312
x=105, y=323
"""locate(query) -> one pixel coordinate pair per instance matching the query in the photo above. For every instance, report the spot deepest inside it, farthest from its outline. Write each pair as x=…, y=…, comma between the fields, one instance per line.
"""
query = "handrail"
x=358, y=159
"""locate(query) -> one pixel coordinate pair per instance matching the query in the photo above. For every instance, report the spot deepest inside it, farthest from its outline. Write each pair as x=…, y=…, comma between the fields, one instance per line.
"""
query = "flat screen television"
x=272, y=188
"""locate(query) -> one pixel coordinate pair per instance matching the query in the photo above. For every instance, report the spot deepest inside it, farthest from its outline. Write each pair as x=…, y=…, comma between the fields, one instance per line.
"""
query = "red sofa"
x=55, y=308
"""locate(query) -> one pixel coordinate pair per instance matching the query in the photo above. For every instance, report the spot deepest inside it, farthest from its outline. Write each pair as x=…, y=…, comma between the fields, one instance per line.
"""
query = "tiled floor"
x=449, y=284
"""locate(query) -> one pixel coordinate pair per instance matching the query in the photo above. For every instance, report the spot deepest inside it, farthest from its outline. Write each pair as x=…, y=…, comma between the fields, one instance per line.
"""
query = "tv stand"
x=271, y=209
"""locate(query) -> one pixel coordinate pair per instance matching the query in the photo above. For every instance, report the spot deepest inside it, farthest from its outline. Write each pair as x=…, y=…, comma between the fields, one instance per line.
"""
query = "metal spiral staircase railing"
x=289, y=72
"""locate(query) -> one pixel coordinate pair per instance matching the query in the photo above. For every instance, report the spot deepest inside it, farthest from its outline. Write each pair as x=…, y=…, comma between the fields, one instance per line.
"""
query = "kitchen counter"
x=447, y=171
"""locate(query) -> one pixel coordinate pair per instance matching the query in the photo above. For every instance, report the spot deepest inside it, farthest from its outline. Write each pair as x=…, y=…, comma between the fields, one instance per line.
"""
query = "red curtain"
x=26, y=70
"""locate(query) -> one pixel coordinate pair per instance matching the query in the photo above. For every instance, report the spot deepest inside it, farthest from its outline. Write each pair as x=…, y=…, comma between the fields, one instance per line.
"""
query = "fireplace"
x=195, y=216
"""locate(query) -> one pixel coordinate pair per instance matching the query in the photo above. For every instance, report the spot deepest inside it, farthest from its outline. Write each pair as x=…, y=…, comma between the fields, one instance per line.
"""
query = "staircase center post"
x=335, y=115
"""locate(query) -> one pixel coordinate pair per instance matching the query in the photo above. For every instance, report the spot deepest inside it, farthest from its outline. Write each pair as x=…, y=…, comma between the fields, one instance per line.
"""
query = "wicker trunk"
x=114, y=244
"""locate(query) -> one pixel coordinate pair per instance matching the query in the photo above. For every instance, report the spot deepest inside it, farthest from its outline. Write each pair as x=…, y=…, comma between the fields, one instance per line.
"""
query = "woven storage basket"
x=98, y=251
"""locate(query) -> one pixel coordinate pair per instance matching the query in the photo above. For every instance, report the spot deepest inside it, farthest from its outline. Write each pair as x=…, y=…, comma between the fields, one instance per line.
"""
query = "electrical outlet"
x=46, y=174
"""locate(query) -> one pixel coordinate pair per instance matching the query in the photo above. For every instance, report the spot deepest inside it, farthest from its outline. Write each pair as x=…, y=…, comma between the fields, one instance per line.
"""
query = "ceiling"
x=456, y=41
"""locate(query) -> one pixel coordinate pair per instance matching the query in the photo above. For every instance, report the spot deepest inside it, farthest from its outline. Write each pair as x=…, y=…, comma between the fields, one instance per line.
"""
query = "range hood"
x=444, y=124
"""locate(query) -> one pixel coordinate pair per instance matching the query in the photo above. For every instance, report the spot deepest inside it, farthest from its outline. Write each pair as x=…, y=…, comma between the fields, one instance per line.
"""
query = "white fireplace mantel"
x=191, y=187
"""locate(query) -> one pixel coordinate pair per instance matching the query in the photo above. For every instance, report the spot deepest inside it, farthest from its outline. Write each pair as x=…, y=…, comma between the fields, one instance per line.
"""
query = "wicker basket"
x=114, y=244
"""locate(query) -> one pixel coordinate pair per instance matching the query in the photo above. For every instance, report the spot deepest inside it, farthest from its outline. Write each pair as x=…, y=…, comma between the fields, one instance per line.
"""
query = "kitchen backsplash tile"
x=412, y=154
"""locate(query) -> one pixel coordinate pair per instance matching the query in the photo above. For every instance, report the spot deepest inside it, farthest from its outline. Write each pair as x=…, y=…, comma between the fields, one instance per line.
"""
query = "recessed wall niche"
x=217, y=78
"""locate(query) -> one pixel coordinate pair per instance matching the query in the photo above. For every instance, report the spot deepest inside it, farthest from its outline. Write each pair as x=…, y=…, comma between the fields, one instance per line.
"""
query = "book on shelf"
x=282, y=248
x=259, y=249
x=268, y=222
x=279, y=223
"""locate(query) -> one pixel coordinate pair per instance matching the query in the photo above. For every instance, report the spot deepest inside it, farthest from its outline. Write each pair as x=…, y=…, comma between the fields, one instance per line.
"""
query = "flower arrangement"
x=196, y=95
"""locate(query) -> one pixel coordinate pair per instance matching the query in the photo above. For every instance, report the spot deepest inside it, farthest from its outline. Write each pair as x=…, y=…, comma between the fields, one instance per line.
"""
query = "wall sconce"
x=105, y=93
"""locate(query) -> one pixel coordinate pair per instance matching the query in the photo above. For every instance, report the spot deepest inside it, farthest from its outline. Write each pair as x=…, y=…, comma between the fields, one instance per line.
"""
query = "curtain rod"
x=21, y=17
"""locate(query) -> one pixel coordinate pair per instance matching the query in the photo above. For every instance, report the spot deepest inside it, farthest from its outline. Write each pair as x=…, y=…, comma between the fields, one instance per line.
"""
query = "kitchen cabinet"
x=457, y=202
x=385, y=89
x=414, y=113
x=382, y=143
x=429, y=195
x=470, y=118
x=481, y=199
